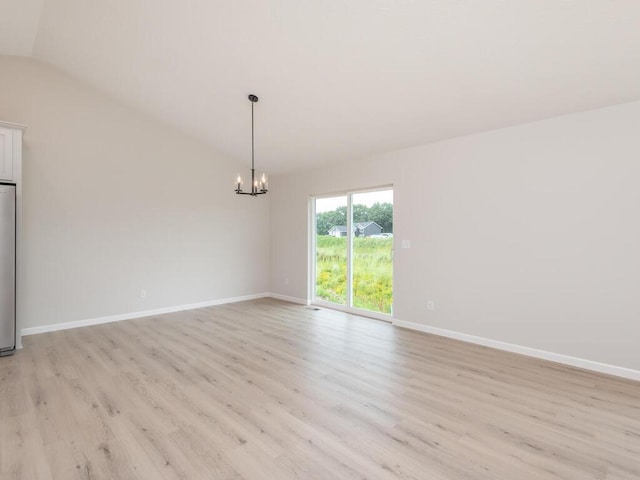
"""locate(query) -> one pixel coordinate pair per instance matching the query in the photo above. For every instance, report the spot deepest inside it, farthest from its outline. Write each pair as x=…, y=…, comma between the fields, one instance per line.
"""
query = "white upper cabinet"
x=10, y=151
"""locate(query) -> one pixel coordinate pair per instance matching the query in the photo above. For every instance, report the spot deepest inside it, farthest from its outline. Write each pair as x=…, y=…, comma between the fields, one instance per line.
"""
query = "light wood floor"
x=270, y=390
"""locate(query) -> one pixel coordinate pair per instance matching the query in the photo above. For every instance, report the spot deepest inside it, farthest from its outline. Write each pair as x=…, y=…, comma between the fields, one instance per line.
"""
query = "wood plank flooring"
x=271, y=390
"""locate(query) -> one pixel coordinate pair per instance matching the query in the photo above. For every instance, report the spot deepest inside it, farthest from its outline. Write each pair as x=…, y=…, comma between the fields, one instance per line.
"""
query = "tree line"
x=381, y=213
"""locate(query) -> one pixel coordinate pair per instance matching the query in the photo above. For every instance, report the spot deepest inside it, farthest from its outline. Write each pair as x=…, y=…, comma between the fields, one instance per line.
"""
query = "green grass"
x=372, y=272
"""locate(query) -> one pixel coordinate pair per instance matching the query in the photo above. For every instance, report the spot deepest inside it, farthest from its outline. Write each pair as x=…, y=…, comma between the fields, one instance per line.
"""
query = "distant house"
x=366, y=229
x=338, y=231
x=360, y=229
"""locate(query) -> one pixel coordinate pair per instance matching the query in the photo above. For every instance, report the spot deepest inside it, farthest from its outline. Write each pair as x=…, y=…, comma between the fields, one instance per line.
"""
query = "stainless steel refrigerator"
x=7, y=269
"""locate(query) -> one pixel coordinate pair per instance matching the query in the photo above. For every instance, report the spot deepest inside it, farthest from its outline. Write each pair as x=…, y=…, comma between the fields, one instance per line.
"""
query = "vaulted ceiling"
x=337, y=79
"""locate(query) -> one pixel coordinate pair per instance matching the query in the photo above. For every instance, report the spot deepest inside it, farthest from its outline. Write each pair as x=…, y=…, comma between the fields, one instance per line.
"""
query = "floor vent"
x=312, y=308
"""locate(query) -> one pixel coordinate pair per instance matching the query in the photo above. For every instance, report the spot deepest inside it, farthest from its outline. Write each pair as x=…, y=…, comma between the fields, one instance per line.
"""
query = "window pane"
x=331, y=249
x=372, y=255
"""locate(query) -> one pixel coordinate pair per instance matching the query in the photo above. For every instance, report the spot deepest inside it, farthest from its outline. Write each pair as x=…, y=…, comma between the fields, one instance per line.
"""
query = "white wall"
x=528, y=235
x=115, y=202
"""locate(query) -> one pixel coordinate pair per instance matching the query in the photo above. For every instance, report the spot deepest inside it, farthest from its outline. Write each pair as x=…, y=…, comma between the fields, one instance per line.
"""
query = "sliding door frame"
x=312, y=255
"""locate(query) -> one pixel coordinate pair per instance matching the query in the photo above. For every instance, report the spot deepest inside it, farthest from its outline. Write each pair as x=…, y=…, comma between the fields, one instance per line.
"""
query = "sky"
x=366, y=198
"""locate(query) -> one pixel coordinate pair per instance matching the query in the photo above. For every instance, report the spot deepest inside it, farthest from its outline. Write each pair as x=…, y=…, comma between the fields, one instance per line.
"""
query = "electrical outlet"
x=143, y=293
x=431, y=306
x=286, y=281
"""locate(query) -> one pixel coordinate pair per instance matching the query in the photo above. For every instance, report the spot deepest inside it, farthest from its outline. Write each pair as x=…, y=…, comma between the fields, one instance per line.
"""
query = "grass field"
x=372, y=272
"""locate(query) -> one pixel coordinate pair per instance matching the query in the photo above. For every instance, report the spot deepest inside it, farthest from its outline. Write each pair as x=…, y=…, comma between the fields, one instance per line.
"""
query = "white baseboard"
x=487, y=342
x=286, y=298
x=531, y=352
x=129, y=316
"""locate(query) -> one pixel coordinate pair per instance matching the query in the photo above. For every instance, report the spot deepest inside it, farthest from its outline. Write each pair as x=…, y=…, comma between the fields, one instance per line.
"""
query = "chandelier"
x=258, y=185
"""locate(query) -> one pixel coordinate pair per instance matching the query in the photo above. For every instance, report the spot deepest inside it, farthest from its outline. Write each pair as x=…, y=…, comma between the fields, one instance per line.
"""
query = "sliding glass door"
x=331, y=250
x=372, y=251
x=353, y=251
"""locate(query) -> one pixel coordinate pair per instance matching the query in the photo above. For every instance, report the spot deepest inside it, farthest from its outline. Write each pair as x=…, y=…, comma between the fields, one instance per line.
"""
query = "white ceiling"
x=339, y=79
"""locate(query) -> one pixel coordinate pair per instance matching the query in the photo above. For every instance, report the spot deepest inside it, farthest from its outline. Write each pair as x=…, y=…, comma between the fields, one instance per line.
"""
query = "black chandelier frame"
x=257, y=188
